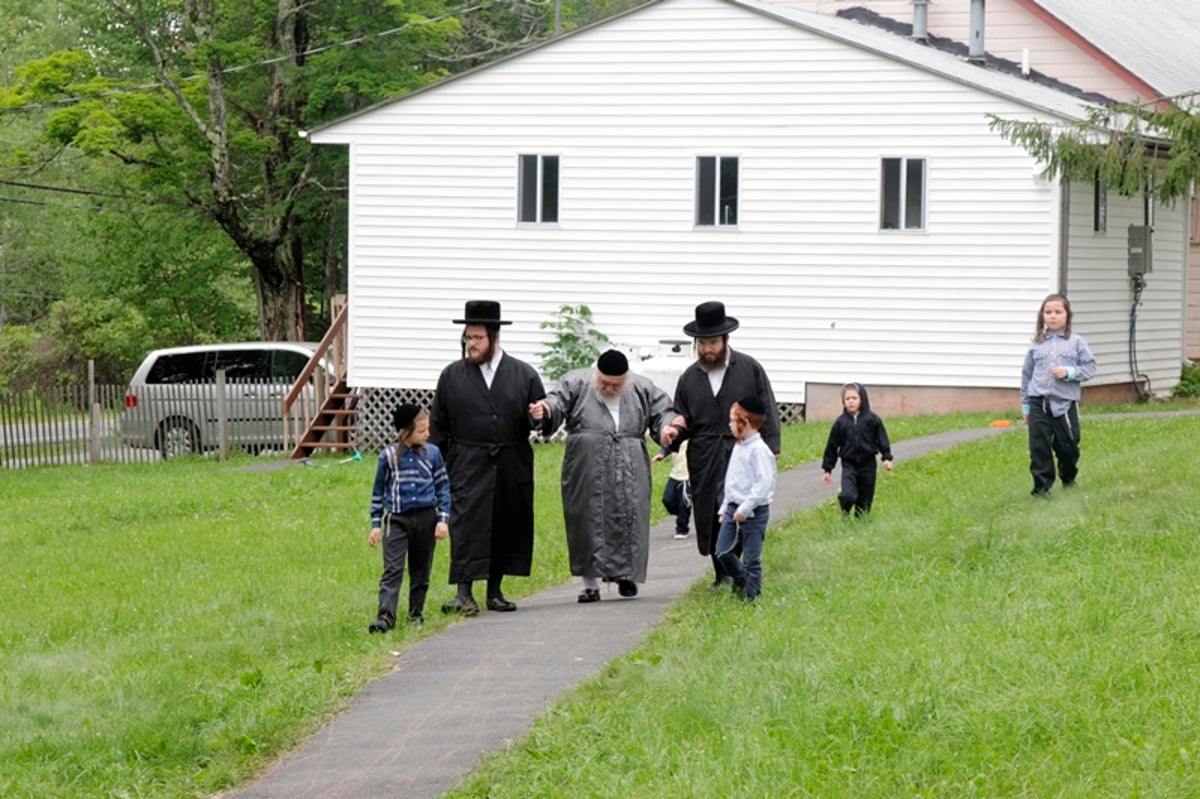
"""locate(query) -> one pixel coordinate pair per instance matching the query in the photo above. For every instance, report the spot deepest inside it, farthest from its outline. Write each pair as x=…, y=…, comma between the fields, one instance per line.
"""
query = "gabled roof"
x=1156, y=40
x=988, y=77
x=962, y=49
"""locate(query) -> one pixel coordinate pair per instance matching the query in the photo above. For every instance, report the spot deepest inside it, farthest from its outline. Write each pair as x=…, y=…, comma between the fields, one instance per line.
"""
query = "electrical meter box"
x=1140, y=249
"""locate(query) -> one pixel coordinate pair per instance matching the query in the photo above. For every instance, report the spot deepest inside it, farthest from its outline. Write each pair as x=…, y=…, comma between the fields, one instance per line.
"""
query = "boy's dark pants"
x=677, y=500
x=1049, y=437
x=858, y=486
x=407, y=535
x=740, y=547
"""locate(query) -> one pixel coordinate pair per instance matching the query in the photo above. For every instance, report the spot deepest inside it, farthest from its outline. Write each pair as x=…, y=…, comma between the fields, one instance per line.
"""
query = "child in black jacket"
x=856, y=437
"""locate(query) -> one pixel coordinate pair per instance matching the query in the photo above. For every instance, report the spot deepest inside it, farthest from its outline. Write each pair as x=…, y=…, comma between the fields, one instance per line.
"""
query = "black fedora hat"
x=710, y=321
x=481, y=312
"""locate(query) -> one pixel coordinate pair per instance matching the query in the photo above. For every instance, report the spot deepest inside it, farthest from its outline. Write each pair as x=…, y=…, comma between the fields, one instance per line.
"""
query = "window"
x=903, y=206
x=538, y=189
x=716, y=190
x=1099, y=207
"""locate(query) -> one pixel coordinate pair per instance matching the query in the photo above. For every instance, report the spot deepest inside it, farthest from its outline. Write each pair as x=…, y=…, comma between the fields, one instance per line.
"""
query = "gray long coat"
x=606, y=480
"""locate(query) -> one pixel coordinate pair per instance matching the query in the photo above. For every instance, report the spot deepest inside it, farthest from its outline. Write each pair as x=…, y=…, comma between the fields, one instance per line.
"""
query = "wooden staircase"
x=320, y=412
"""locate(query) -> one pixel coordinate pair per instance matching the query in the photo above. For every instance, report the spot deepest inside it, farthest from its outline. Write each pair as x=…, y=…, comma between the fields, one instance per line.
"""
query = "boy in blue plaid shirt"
x=410, y=510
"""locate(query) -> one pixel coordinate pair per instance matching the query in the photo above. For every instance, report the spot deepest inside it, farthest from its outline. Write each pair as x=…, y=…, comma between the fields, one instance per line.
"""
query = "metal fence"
x=98, y=423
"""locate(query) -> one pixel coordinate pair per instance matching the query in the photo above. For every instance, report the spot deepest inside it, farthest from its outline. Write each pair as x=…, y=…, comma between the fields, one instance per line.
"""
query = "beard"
x=616, y=395
x=481, y=353
x=711, y=362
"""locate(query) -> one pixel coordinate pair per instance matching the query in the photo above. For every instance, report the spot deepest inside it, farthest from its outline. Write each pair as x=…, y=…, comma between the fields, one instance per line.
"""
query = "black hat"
x=753, y=405
x=481, y=312
x=710, y=321
x=612, y=363
x=404, y=414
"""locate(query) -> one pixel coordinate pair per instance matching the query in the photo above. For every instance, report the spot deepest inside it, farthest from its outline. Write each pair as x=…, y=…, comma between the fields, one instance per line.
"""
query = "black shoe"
x=739, y=586
x=1040, y=493
x=416, y=619
x=1069, y=484
x=462, y=605
x=626, y=588
x=379, y=626
x=499, y=603
x=589, y=595
x=724, y=581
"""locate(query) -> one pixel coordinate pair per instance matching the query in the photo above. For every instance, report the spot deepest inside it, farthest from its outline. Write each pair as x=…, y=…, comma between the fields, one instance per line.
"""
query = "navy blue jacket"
x=857, y=439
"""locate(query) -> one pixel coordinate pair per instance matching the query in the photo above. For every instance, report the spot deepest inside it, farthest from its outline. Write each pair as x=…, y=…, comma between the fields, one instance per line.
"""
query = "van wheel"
x=177, y=437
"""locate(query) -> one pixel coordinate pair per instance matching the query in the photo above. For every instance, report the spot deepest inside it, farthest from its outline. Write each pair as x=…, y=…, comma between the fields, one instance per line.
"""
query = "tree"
x=1130, y=148
x=194, y=106
x=198, y=103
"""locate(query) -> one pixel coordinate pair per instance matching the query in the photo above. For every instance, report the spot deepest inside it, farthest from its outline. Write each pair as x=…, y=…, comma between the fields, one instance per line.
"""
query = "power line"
x=265, y=62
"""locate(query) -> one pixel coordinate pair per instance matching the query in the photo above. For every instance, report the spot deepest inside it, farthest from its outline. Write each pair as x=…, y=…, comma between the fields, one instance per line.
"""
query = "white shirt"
x=488, y=370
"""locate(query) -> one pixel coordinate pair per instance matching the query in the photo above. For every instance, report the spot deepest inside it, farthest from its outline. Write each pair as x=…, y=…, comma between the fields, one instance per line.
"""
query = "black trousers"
x=1052, y=437
x=407, y=536
x=858, y=487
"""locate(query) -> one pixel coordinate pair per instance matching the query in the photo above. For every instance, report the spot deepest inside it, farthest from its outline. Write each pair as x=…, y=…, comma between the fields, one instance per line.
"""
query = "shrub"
x=1189, y=381
x=576, y=343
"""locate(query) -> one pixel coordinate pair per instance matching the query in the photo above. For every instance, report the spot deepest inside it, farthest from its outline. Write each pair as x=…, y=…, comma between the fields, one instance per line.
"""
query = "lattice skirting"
x=375, y=407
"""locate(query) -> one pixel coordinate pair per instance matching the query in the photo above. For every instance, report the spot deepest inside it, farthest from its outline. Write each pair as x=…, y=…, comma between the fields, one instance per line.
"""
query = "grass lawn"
x=170, y=628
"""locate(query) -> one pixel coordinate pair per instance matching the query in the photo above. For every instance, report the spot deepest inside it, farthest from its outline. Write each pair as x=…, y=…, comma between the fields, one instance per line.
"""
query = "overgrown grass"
x=170, y=628
x=967, y=641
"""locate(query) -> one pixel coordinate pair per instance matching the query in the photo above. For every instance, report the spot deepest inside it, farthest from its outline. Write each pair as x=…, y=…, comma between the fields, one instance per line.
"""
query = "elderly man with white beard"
x=606, y=479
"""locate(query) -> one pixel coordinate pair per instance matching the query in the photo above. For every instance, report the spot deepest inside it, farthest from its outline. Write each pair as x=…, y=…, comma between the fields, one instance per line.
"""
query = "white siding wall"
x=822, y=294
x=1101, y=292
x=1009, y=29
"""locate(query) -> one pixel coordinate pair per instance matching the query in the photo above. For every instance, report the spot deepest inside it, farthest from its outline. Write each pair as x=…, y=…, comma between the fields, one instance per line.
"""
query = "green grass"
x=967, y=641
x=171, y=628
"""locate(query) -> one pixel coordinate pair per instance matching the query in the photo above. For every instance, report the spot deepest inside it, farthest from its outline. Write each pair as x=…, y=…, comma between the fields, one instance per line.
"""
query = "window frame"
x=900, y=204
x=532, y=205
x=712, y=184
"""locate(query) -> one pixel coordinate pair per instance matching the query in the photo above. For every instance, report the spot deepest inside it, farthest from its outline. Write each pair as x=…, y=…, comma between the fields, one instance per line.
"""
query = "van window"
x=186, y=367
x=245, y=364
x=288, y=365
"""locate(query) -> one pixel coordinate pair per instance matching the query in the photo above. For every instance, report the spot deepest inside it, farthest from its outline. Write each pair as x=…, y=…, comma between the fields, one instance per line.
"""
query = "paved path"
x=478, y=685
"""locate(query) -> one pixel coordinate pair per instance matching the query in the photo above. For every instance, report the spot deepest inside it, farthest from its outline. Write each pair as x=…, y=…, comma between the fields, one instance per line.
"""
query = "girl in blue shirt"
x=1056, y=363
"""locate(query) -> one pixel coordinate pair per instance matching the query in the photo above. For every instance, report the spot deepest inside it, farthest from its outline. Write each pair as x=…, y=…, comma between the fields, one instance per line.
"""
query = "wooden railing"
x=325, y=372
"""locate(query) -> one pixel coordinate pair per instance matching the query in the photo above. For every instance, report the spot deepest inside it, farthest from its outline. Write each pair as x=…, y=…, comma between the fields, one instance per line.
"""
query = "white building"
x=836, y=185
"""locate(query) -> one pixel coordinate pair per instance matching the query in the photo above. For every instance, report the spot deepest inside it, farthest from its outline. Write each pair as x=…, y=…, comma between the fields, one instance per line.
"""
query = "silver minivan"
x=171, y=403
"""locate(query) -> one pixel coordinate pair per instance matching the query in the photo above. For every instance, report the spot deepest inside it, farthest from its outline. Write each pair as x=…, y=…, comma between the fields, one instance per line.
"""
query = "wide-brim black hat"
x=481, y=312
x=710, y=321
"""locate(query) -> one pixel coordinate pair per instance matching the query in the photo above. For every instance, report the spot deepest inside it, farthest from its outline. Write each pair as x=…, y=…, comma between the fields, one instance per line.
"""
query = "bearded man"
x=703, y=395
x=606, y=479
x=480, y=422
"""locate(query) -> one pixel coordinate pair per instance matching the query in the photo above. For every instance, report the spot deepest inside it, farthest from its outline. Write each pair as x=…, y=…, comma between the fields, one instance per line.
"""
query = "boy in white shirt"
x=746, y=504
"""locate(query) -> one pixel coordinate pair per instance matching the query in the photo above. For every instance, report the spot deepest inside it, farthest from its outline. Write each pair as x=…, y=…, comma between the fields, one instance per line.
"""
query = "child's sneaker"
x=679, y=536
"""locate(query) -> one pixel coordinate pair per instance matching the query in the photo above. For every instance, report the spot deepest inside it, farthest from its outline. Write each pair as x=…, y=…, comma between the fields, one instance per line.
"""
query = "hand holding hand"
x=539, y=410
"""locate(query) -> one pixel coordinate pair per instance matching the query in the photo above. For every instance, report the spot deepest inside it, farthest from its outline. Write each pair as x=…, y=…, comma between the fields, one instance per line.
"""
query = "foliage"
x=1131, y=148
x=1189, y=381
x=576, y=342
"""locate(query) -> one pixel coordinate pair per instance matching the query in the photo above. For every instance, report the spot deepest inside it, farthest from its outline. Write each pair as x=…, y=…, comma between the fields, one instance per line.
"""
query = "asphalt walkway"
x=478, y=685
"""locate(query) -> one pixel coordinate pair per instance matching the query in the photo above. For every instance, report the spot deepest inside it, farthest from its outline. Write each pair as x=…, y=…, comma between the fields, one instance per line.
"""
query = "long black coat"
x=484, y=435
x=708, y=431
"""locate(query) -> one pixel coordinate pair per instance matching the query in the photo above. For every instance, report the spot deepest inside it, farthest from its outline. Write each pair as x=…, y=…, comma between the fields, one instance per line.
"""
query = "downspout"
x=975, y=53
x=1064, y=234
x=920, y=31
